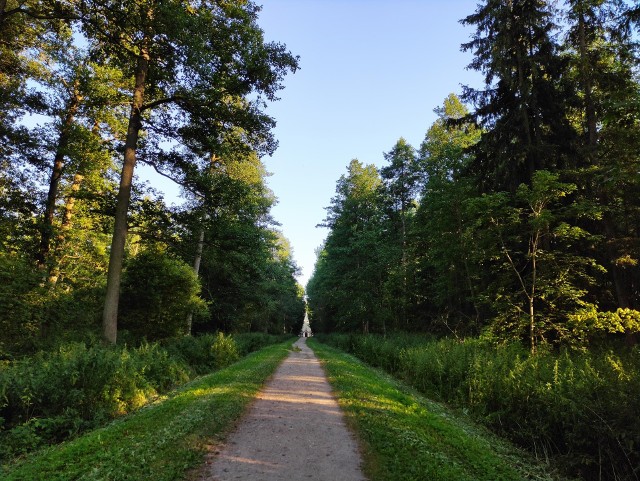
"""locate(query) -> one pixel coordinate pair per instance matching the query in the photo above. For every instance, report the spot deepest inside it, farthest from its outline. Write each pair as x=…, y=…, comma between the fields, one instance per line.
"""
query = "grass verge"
x=161, y=441
x=407, y=437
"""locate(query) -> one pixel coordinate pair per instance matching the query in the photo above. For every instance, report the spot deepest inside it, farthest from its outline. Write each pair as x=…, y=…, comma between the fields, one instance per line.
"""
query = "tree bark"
x=56, y=174
x=196, y=270
x=116, y=256
x=54, y=272
x=3, y=8
x=590, y=111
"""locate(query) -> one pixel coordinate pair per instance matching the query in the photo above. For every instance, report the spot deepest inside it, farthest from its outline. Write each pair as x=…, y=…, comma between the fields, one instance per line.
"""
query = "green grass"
x=407, y=437
x=161, y=441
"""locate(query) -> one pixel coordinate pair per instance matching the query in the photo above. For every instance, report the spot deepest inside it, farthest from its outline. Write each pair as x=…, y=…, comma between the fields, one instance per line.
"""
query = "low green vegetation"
x=578, y=409
x=55, y=395
x=161, y=441
x=407, y=437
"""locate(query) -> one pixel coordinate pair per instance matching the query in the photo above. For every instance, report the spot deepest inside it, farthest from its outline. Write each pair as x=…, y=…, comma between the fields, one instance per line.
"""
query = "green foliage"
x=20, y=305
x=539, y=278
x=254, y=341
x=575, y=407
x=52, y=396
x=589, y=324
x=441, y=244
x=407, y=437
x=158, y=292
x=346, y=291
x=161, y=442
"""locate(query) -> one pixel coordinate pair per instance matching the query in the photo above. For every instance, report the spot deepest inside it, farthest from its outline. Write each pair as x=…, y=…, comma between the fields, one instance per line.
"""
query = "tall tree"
x=400, y=179
x=442, y=249
x=520, y=108
x=184, y=60
x=351, y=268
x=605, y=106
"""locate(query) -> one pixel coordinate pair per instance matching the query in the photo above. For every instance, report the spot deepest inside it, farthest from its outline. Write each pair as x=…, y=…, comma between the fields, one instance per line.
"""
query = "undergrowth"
x=161, y=441
x=578, y=409
x=49, y=397
x=407, y=437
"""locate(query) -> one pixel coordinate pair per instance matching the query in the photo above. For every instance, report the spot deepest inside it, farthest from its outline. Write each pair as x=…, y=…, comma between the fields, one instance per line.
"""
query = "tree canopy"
x=181, y=88
x=517, y=215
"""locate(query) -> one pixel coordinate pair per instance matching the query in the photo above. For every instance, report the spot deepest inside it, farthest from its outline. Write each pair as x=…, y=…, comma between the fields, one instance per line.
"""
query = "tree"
x=605, y=108
x=157, y=293
x=83, y=102
x=347, y=286
x=539, y=276
x=521, y=109
x=185, y=61
x=400, y=180
x=442, y=249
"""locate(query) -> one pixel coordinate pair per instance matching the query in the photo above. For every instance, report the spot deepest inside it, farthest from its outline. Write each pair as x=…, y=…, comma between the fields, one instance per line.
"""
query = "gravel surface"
x=294, y=430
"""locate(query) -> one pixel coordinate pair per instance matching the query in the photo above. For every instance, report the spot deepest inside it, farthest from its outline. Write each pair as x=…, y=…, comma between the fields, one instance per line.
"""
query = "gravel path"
x=293, y=431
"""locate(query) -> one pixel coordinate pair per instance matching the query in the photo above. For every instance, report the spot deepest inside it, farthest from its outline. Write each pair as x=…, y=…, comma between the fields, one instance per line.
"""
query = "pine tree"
x=521, y=108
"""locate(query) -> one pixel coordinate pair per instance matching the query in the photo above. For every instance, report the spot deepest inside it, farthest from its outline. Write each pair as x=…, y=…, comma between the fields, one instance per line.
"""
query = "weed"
x=160, y=442
x=406, y=437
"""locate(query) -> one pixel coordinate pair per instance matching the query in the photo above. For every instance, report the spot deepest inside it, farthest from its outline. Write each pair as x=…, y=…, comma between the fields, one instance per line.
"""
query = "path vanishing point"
x=293, y=431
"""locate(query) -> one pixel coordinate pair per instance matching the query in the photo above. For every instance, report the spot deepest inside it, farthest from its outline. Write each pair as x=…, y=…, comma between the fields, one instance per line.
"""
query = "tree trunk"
x=622, y=294
x=196, y=270
x=590, y=111
x=110, y=313
x=534, y=278
x=526, y=125
x=3, y=9
x=532, y=326
x=54, y=272
x=54, y=183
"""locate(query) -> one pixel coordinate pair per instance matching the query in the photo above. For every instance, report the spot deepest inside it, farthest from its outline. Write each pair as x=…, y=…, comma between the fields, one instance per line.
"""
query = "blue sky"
x=372, y=71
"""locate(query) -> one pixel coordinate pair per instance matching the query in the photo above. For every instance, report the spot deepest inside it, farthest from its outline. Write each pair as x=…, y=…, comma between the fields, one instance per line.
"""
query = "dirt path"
x=293, y=431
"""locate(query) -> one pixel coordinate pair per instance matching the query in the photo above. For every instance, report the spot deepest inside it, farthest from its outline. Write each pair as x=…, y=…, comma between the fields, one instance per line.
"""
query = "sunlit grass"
x=407, y=437
x=161, y=441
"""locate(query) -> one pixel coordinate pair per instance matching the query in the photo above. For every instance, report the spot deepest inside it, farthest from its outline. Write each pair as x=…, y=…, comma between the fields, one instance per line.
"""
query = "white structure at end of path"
x=306, y=328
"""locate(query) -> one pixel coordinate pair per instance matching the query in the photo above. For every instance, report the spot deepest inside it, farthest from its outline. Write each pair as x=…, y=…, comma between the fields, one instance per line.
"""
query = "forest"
x=110, y=295
x=494, y=267
x=89, y=249
x=517, y=218
x=508, y=241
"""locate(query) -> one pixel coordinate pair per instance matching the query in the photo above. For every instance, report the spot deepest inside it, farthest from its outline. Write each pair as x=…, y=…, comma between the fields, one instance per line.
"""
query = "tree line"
x=90, y=89
x=518, y=216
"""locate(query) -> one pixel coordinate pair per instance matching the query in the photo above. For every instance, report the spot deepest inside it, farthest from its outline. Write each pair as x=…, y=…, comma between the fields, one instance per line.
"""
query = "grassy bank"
x=407, y=437
x=161, y=441
x=577, y=409
x=60, y=393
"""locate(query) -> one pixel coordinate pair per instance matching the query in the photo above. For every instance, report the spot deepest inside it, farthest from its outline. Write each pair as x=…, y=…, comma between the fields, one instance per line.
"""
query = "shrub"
x=158, y=292
x=254, y=341
x=577, y=407
x=51, y=396
x=21, y=304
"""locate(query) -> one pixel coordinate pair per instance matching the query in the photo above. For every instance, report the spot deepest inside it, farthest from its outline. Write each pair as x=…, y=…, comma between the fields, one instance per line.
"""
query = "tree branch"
x=167, y=100
x=184, y=185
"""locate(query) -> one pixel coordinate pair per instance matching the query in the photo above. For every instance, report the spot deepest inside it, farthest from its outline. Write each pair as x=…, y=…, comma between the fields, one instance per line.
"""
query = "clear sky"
x=372, y=71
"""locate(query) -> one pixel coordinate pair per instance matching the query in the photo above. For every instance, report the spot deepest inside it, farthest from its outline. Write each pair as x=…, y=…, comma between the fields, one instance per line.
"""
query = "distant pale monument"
x=306, y=328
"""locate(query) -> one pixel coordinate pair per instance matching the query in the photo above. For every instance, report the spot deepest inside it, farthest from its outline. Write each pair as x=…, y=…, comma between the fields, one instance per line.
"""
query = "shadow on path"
x=294, y=430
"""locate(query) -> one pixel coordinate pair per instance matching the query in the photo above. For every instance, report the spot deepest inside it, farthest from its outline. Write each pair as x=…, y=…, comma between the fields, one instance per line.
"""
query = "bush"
x=206, y=352
x=579, y=408
x=158, y=292
x=21, y=304
x=53, y=395
x=254, y=341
